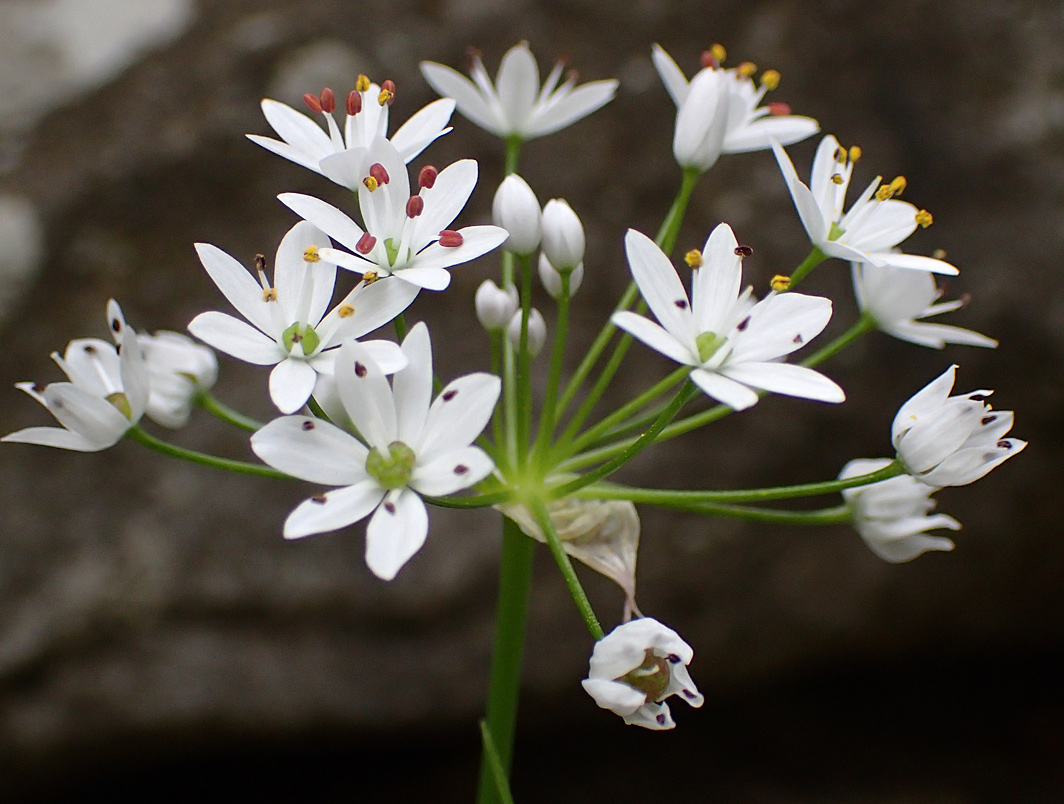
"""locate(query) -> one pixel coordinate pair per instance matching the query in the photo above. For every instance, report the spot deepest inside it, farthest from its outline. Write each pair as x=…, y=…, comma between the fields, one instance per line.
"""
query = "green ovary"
x=302, y=334
x=651, y=677
x=708, y=343
x=394, y=471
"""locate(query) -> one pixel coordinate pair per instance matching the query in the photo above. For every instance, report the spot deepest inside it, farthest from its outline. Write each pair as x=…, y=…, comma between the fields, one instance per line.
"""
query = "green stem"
x=864, y=325
x=400, y=327
x=838, y=515
x=474, y=501
x=219, y=409
x=541, y=451
x=135, y=433
x=515, y=585
x=554, y=542
x=816, y=256
x=317, y=409
x=524, y=365
x=494, y=762
x=513, y=153
x=670, y=227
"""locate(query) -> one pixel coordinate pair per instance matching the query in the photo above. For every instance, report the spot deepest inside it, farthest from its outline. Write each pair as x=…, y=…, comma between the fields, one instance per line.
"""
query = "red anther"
x=377, y=171
x=779, y=109
x=708, y=60
x=312, y=102
x=365, y=243
x=328, y=100
x=415, y=206
x=449, y=238
x=572, y=75
x=472, y=55
x=427, y=177
x=354, y=102
x=389, y=87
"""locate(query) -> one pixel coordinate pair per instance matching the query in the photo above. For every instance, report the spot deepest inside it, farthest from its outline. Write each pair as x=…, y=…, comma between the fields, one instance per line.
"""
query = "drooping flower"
x=897, y=297
x=179, y=368
x=289, y=325
x=733, y=344
x=339, y=156
x=718, y=112
x=948, y=440
x=636, y=667
x=411, y=449
x=107, y=391
x=893, y=516
x=405, y=235
x=515, y=105
x=875, y=223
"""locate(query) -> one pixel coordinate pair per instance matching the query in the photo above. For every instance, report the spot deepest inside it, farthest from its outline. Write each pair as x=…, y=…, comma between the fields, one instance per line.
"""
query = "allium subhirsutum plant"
x=365, y=417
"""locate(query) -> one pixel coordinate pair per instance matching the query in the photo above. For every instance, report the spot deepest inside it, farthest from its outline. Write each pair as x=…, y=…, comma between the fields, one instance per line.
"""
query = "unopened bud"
x=563, y=235
x=537, y=331
x=516, y=209
x=495, y=306
x=552, y=280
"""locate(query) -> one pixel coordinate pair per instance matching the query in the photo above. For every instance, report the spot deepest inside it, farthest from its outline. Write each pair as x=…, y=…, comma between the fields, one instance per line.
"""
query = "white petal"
x=374, y=306
x=395, y=533
x=298, y=130
x=286, y=151
x=234, y=337
x=452, y=472
x=56, y=437
x=659, y=285
x=927, y=398
x=916, y=262
x=423, y=128
x=760, y=134
x=885, y=225
x=614, y=695
x=671, y=75
x=808, y=210
x=291, y=384
x=425, y=278
x=655, y=337
x=311, y=449
x=333, y=510
x=326, y=217
x=476, y=241
x=237, y=285
x=458, y=415
x=577, y=105
x=135, y=376
x=412, y=387
x=444, y=200
x=783, y=378
x=347, y=168
x=291, y=279
x=733, y=394
x=387, y=355
x=716, y=284
x=366, y=395
x=92, y=417
x=780, y=324
x=517, y=85
x=471, y=103
x=938, y=335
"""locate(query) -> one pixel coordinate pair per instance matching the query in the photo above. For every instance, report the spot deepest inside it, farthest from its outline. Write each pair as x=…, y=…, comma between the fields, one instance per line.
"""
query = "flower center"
x=651, y=677
x=394, y=471
x=836, y=231
x=121, y=402
x=708, y=343
x=304, y=335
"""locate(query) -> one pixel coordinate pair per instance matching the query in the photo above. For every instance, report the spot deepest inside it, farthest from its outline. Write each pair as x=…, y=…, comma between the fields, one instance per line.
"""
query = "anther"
x=354, y=102
x=377, y=171
x=415, y=205
x=798, y=339
x=987, y=420
x=260, y=263
x=370, y=277
x=898, y=185
x=427, y=177
x=389, y=507
x=345, y=311
x=742, y=325
x=661, y=719
x=673, y=658
x=884, y=193
x=1004, y=444
x=90, y=349
x=310, y=254
x=461, y=469
x=836, y=178
x=320, y=499
x=855, y=153
x=449, y=238
x=717, y=51
x=360, y=370
x=312, y=102
x=269, y=294
x=939, y=254
x=681, y=303
x=362, y=83
x=923, y=217
x=693, y=258
x=449, y=395
x=328, y=101
x=840, y=156
x=688, y=694
x=770, y=79
x=365, y=243
x=39, y=388
x=472, y=55
x=116, y=325
x=780, y=283
x=779, y=109
x=743, y=251
x=746, y=69
x=308, y=425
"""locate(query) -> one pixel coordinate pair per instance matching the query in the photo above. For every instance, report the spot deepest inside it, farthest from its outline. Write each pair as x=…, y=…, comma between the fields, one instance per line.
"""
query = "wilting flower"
x=948, y=440
x=896, y=297
x=411, y=448
x=405, y=235
x=893, y=516
x=289, y=326
x=718, y=112
x=179, y=368
x=303, y=141
x=636, y=667
x=874, y=224
x=107, y=391
x=733, y=344
x=516, y=105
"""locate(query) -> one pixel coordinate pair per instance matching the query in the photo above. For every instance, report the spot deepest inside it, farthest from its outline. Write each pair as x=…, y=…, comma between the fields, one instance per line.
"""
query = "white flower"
x=563, y=235
x=179, y=368
x=339, y=156
x=874, y=224
x=106, y=394
x=892, y=516
x=516, y=209
x=405, y=235
x=636, y=667
x=290, y=327
x=734, y=344
x=411, y=448
x=552, y=280
x=537, y=331
x=718, y=112
x=516, y=105
x=948, y=440
x=495, y=306
x=896, y=297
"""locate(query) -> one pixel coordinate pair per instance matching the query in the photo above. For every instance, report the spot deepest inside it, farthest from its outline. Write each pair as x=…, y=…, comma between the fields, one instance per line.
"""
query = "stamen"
x=365, y=243
x=90, y=349
x=779, y=109
x=354, y=102
x=717, y=51
x=415, y=205
x=987, y=420
x=449, y=395
x=328, y=101
x=377, y=171
x=855, y=153
x=836, y=178
x=743, y=251
x=387, y=96
x=308, y=426
x=681, y=303
x=780, y=283
x=345, y=311
x=360, y=370
x=427, y=177
x=370, y=182
x=923, y=217
x=742, y=325
x=312, y=102
x=746, y=69
x=449, y=238
x=269, y=294
x=1004, y=444
x=389, y=507
x=310, y=254
x=798, y=339
x=661, y=719
x=362, y=83
x=693, y=258
x=884, y=193
x=39, y=388
x=770, y=79
x=116, y=325
x=370, y=277
x=840, y=156
x=898, y=185
x=939, y=254
x=673, y=658
x=320, y=499
x=460, y=469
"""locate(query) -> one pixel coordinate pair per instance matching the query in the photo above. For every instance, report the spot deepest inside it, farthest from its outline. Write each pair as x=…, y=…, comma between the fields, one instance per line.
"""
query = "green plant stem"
x=524, y=365
x=816, y=256
x=515, y=585
x=317, y=409
x=491, y=755
x=484, y=500
x=513, y=153
x=550, y=533
x=864, y=325
x=541, y=451
x=220, y=410
x=670, y=227
x=135, y=433
x=837, y=515
x=400, y=327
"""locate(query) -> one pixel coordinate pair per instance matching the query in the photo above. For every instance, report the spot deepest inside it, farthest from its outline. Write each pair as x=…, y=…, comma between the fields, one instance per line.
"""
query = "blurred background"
x=158, y=636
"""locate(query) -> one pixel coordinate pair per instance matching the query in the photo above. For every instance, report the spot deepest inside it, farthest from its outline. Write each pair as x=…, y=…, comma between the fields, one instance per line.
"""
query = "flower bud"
x=516, y=209
x=552, y=280
x=495, y=306
x=563, y=235
x=537, y=331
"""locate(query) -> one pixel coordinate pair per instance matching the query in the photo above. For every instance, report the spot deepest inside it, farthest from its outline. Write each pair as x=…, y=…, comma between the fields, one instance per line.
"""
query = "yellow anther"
x=770, y=79
x=362, y=83
x=345, y=311
x=269, y=294
x=746, y=69
x=371, y=183
x=693, y=258
x=780, y=282
x=311, y=254
x=370, y=277
x=718, y=52
x=855, y=153
x=939, y=254
x=840, y=156
x=384, y=97
x=923, y=217
x=836, y=178
x=898, y=185
x=884, y=193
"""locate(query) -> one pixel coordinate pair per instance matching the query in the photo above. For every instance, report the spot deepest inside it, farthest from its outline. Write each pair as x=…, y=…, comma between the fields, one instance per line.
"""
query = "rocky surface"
x=148, y=609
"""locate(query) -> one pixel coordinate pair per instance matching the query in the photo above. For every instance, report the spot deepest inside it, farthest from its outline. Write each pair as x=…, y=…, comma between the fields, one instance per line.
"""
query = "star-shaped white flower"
x=734, y=344
x=411, y=448
x=516, y=105
x=107, y=392
x=874, y=224
x=179, y=368
x=897, y=297
x=338, y=156
x=289, y=326
x=948, y=440
x=718, y=112
x=635, y=667
x=893, y=516
x=405, y=235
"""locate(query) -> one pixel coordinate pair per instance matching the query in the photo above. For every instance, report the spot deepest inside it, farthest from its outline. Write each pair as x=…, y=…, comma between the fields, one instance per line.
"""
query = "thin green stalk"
x=219, y=409
x=541, y=451
x=135, y=433
x=515, y=585
x=498, y=422
x=837, y=515
x=474, y=501
x=864, y=325
x=513, y=153
x=670, y=227
x=317, y=409
x=816, y=256
x=400, y=327
x=524, y=365
x=539, y=509
x=491, y=754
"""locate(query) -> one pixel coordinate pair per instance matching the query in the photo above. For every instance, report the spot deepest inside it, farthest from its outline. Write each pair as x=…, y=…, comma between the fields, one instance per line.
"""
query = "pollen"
x=718, y=52
x=370, y=277
x=371, y=183
x=311, y=254
x=269, y=294
x=836, y=178
x=345, y=311
x=770, y=79
x=924, y=218
x=780, y=283
x=855, y=153
x=746, y=69
x=693, y=258
x=362, y=83
x=387, y=96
